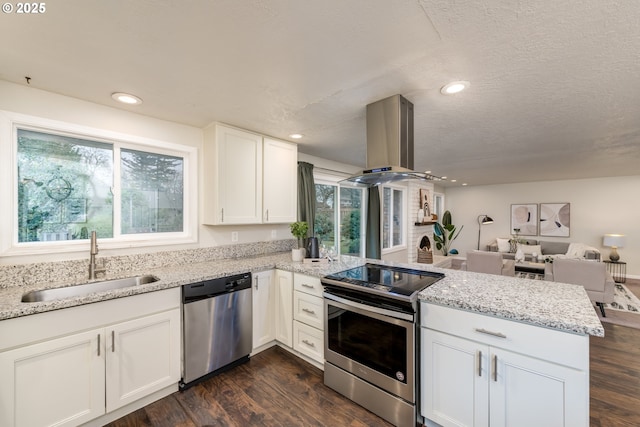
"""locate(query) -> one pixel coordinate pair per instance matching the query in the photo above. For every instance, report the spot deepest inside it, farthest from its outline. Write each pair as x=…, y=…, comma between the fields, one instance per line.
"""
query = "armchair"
x=593, y=275
x=490, y=263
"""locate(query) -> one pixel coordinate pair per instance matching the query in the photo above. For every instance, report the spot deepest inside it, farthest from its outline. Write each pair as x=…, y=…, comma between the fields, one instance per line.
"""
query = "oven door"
x=372, y=343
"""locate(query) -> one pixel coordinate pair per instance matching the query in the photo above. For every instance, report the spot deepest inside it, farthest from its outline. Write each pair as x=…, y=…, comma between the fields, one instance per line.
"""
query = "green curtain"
x=373, y=249
x=306, y=195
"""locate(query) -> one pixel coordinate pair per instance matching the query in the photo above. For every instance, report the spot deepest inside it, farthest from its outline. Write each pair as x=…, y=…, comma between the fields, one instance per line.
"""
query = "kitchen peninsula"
x=533, y=308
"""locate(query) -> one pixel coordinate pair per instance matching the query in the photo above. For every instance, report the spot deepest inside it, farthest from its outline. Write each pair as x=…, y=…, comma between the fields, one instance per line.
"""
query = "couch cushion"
x=530, y=249
x=503, y=245
x=552, y=248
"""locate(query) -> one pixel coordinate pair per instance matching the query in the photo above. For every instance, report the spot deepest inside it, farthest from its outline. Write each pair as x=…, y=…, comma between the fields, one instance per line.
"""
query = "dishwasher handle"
x=210, y=288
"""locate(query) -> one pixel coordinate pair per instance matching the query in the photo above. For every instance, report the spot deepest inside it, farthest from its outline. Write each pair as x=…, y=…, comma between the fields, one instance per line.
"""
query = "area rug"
x=623, y=300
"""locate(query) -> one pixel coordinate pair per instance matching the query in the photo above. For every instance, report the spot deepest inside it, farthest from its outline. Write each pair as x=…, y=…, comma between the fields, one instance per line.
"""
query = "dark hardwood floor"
x=277, y=389
x=274, y=388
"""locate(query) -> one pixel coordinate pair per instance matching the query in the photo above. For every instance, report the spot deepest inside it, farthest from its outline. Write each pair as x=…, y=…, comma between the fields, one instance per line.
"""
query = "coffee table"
x=530, y=267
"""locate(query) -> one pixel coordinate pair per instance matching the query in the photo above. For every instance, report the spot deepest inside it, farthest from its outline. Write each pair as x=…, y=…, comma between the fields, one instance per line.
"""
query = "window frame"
x=10, y=123
x=334, y=180
x=403, y=245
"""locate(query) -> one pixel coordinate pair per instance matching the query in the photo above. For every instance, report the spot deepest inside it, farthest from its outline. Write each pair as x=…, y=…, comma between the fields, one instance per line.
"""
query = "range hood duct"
x=389, y=144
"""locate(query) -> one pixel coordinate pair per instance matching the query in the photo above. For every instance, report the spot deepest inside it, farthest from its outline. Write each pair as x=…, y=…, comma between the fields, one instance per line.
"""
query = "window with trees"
x=67, y=184
x=393, y=223
x=339, y=218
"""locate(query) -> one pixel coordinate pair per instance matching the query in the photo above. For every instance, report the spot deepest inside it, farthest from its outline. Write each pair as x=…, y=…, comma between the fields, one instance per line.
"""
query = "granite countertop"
x=540, y=303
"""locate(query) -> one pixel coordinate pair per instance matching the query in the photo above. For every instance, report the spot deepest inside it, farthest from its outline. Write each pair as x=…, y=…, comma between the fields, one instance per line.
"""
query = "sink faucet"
x=93, y=268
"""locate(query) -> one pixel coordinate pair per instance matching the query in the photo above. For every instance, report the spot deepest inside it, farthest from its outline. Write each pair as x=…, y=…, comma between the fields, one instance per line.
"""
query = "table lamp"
x=614, y=241
x=483, y=220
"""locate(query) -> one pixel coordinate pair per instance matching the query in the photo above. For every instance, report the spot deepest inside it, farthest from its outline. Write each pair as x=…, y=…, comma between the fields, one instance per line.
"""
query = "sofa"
x=545, y=249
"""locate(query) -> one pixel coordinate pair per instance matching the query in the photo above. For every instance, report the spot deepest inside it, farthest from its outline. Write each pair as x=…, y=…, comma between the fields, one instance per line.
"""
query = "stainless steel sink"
x=89, y=288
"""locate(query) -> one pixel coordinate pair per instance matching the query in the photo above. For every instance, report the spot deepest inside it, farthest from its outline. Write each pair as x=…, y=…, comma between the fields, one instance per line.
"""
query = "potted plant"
x=445, y=233
x=299, y=230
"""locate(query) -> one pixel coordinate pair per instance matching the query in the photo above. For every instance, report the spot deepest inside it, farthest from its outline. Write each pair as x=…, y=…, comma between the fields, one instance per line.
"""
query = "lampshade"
x=613, y=240
x=485, y=220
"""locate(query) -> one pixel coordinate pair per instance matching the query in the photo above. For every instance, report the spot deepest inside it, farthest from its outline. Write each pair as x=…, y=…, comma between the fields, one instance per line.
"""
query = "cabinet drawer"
x=308, y=309
x=308, y=341
x=307, y=284
x=561, y=347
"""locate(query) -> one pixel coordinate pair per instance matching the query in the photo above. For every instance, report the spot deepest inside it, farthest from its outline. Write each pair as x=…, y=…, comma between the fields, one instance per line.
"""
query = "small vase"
x=420, y=216
x=297, y=255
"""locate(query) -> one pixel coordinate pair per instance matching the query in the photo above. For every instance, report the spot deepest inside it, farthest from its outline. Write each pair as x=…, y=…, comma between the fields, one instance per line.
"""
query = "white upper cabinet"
x=248, y=179
x=280, y=181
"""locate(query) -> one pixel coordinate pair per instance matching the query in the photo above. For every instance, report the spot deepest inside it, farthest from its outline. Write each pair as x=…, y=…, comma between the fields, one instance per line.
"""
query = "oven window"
x=371, y=342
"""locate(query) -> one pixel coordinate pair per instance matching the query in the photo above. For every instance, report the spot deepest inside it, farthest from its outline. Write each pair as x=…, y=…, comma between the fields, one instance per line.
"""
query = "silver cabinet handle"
x=495, y=334
x=309, y=343
x=113, y=341
x=222, y=215
x=257, y=282
x=98, y=344
x=267, y=220
x=479, y=363
x=495, y=368
x=306, y=310
x=304, y=285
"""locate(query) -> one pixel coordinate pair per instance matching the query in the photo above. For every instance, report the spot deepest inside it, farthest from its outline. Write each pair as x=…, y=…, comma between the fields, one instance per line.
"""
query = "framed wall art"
x=555, y=219
x=525, y=218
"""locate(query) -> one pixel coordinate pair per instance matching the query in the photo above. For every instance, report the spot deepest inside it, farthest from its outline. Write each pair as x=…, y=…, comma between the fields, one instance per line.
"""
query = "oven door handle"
x=370, y=308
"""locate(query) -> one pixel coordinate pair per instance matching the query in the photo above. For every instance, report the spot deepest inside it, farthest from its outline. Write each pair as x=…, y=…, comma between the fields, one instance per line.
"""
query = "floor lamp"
x=483, y=220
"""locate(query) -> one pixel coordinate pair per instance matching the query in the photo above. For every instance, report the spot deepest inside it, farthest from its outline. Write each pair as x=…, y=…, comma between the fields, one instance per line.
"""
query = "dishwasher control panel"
x=212, y=287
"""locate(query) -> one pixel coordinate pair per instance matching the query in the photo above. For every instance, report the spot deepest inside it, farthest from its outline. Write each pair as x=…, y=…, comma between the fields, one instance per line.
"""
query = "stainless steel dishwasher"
x=217, y=326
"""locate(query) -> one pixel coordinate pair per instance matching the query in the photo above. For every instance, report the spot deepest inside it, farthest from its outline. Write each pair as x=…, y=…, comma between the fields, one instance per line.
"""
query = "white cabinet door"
x=454, y=380
x=233, y=176
x=58, y=382
x=308, y=341
x=280, y=185
x=469, y=383
x=528, y=392
x=143, y=356
x=284, y=307
x=263, y=296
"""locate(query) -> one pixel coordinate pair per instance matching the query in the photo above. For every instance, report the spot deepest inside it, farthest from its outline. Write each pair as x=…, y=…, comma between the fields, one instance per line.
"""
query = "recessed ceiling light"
x=454, y=87
x=454, y=180
x=464, y=183
x=443, y=177
x=126, y=98
x=427, y=171
x=296, y=135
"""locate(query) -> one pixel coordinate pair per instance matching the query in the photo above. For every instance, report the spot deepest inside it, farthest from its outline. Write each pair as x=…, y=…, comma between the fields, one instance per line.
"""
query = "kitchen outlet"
x=234, y=236
x=274, y=234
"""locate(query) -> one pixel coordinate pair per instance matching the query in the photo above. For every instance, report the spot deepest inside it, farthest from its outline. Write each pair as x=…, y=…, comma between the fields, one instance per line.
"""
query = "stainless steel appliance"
x=217, y=326
x=371, y=335
x=389, y=144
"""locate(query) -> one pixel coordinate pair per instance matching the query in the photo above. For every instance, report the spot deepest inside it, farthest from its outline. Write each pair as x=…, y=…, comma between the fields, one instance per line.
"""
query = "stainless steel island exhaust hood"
x=389, y=144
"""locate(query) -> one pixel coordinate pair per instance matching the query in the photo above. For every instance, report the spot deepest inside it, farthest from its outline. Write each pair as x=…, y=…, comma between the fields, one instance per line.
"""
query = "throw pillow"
x=503, y=245
x=530, y=249
x=576, y=250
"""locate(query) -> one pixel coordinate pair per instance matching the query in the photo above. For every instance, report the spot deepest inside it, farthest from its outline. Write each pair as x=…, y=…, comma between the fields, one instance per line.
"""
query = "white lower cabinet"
x=479, y=370
x=264, y=303
x=72, y=379
x=58, y=382
x=308, y=315
x=284, y=307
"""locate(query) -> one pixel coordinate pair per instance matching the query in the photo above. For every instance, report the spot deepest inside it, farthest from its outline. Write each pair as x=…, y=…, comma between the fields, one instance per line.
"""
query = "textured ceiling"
x=554, y=85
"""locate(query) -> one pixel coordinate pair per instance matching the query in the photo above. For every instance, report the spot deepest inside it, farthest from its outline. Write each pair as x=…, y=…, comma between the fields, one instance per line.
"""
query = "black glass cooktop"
x=382, y=278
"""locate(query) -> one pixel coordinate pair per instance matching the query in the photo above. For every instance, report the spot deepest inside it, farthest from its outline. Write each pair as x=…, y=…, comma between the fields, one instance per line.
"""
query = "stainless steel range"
x=371, y=335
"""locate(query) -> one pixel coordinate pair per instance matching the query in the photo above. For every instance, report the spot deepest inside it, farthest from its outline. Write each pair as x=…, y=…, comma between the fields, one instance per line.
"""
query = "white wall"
x=34, y=102
x=598, y=207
